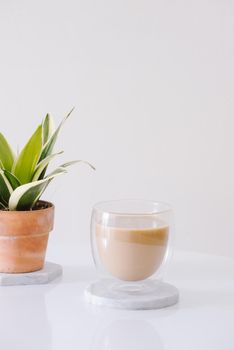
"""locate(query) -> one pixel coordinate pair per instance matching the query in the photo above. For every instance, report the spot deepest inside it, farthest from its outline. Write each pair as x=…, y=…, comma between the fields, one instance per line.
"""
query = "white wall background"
x=153, y=85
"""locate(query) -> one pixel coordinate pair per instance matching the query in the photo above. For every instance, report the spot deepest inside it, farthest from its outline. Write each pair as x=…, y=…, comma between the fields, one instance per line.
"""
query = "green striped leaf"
x=24, y=197
x=28, y=158
x=14, y=181
x=41, y=167
x=7, y=156
x=65, y=165
x=49, y=145
x=47, y=128
x=5, y=188
x=62, y=167
x=56, y=172
x=2, y=206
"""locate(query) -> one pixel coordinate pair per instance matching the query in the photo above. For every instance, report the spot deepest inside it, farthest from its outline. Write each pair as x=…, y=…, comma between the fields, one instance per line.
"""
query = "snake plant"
x=23, y=178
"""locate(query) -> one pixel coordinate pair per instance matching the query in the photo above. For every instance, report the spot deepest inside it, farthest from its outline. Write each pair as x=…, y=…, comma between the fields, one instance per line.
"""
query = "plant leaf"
x=24, y=197
x=62, y=167
x=5, y=189
x=14, y=181
x=77, y=161
x=49, y=145
x=57, y=171
x=7, y=156
x=28, y=158
x=41, y=167
x=47, y=128
x=2, y=206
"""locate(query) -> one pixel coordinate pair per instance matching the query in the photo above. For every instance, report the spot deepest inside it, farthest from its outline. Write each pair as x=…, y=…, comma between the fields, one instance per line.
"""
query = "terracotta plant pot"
x=23, y=238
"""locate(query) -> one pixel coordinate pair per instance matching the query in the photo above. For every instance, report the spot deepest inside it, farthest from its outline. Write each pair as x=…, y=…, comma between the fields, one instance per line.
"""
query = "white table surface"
x=56, y=317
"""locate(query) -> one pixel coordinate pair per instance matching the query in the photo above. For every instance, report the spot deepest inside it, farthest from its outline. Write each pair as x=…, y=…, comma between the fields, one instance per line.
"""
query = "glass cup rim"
x=166, y=207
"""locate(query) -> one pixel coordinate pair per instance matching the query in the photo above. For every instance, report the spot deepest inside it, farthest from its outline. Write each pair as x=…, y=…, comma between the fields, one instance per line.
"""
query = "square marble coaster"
x=46, y=275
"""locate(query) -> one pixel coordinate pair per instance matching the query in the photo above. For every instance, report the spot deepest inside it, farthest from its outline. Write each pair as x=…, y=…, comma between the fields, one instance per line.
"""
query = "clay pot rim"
x=23, y=212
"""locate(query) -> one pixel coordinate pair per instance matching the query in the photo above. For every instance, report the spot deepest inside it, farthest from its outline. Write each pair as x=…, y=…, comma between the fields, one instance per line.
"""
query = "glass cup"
x=131, y=242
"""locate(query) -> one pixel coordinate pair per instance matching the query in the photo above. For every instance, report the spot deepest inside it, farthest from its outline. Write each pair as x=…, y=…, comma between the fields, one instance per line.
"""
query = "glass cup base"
x=148, y=294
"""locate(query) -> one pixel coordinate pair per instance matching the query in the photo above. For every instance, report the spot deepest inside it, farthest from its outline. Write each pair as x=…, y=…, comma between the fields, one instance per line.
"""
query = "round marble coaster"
x=46, y=275
x=148, y=295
